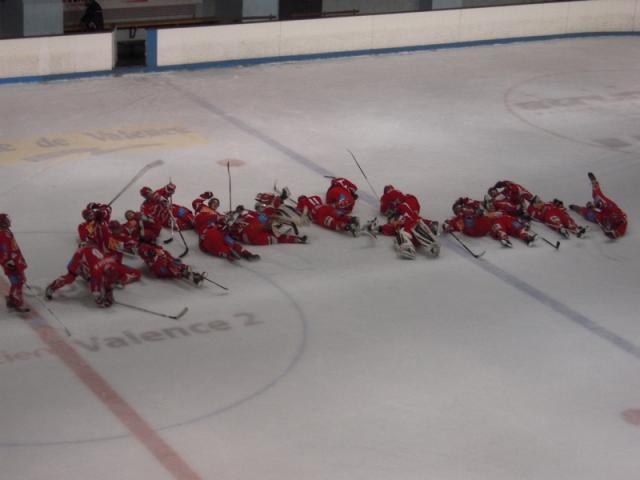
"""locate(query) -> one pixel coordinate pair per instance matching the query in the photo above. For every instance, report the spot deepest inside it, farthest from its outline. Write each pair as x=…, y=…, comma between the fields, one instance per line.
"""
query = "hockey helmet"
x=265, y=198
x=88, y=214
x=344, y=183
x=146, y=192
x=5, y=221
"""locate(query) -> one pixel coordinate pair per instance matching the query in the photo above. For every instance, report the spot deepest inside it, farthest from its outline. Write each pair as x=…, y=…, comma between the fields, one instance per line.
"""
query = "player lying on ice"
x=515, y=200
x=326, y=215
x=263, y=226
x=472, y=220
x=555, y=216
x=136, y=239
x=212, y=228
x=603, y=211
x=404, y=222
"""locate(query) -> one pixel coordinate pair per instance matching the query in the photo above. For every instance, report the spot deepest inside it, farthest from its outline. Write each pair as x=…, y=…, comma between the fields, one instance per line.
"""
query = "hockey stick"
x=554, y=245
x=363, y=174
x=475, y=255
x=229, y=177
x=186, y=247
x=173, y=223
x=142, y=171
x=50, y=311
x=158, y=314
x=216, y=284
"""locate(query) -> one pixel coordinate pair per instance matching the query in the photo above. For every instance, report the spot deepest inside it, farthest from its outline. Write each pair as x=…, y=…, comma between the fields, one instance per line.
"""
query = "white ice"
x=337, y=360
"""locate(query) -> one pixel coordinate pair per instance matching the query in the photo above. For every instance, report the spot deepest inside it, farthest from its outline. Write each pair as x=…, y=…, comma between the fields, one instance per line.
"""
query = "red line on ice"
x=131, y=419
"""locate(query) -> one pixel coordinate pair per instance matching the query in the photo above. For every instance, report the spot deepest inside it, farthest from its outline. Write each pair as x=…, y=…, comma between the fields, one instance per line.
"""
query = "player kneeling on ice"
x=411, y=232
x=164, y=265
x=555, y=216
x=471, y=219
x=603, y=211
x=211, y=226
x=102, y=270
x=13, y=264
x=327, y=216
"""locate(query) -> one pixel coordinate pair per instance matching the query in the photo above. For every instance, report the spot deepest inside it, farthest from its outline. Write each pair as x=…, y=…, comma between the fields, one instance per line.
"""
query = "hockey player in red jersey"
x=342, y=195
x=256, y=228
x=13, y=264
x=555, y=216
x=326, y=215
x=392, y=197
x=95, y=228
x=411, y=231
x=471, y=220
x=164, y=265
x=211, y=226
x=159, y=205
x=102, y=270
x=603, y=211
x=141, y=227
x=509, y=197
x=274, y=206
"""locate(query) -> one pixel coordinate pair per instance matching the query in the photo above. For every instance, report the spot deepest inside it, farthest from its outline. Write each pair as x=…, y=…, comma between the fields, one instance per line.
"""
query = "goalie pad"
x=404, y=245
x=289, y=214
x=283, y=228
x=423, y=235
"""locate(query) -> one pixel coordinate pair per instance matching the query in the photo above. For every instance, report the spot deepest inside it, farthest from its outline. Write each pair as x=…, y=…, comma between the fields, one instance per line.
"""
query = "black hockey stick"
x=49, y=310
x=363, y=174
x=142, y=171
x=184, y=242
x=215, y=283
x=158, y=314
x=229, y=177
x=475, y=255
x=173, y=222
x=554, y=245
x=549, y=242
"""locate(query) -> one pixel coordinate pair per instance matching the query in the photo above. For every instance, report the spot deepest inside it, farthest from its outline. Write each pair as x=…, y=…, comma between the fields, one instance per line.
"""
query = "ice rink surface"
x=333, y=360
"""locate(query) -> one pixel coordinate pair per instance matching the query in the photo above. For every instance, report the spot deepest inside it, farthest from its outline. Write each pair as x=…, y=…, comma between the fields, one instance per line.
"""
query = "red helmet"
x=5, y=221
x=344, y=183
x=265, y=198
x=388, y=188
x=170, y=188
x=145, y=192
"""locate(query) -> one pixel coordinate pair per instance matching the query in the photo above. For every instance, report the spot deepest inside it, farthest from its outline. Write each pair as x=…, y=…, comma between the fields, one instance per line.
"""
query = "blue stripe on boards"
x=152, y=56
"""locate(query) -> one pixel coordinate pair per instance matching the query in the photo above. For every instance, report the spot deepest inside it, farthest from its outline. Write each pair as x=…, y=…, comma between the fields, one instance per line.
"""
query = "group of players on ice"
x=506, y=211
